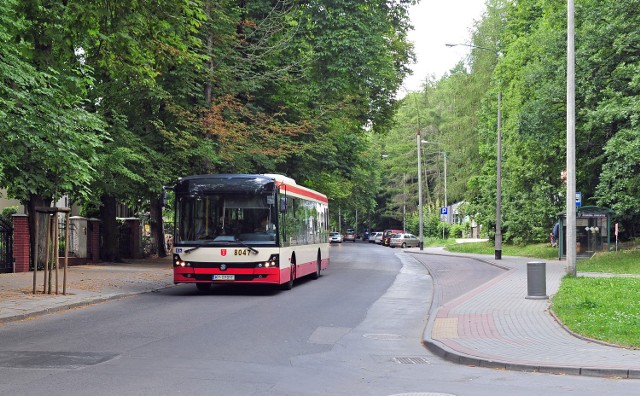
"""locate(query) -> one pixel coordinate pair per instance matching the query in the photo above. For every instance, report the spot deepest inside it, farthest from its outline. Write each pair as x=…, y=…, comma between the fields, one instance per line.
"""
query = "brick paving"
x=494, y=324
x=86, y=284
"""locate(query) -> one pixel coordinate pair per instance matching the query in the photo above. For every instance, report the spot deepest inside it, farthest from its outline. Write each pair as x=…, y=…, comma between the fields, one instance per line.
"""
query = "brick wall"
x=21, y=254
x=94, y=241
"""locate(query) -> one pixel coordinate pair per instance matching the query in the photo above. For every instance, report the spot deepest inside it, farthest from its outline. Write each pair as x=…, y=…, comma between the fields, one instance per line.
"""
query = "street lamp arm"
x=473, y=46
x=428, y=142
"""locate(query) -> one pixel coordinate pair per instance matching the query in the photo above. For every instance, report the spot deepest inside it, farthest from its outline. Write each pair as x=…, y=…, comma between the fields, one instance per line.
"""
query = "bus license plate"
x=224, y=277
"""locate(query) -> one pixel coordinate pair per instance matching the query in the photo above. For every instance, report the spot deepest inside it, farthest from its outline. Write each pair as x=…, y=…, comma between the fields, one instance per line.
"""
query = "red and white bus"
x=242, y=228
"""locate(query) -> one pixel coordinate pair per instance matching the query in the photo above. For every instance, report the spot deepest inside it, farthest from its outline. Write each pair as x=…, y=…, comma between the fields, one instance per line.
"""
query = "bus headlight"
x=177, y=262
x=273, y=262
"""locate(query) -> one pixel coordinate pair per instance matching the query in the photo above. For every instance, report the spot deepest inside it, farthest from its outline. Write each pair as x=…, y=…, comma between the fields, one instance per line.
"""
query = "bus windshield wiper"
x=191, y=249
x=245, y=245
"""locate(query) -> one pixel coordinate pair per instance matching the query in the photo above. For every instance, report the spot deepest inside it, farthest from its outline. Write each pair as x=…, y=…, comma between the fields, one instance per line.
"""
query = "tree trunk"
x=110, y=232
x=37, y=201
x=155, y=224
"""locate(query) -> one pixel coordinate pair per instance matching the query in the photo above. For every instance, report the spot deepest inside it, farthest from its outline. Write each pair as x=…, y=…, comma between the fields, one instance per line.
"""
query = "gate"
x=125, y=240
x=6, y=246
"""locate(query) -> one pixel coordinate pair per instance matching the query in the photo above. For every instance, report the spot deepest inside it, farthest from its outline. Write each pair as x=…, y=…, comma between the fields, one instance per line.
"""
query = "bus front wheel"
x=289, y=284
x=316, y=274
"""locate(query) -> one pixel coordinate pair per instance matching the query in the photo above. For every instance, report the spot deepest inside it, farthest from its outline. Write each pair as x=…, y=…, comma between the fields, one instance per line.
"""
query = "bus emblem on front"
x=223, y=252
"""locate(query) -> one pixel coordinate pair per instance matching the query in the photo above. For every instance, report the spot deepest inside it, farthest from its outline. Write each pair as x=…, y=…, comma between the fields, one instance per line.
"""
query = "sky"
x=436, y=23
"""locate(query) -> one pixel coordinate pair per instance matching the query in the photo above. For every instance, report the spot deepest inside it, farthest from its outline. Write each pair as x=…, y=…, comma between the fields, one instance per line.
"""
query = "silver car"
x=374, y=235
x=335, y=237
x=404, y=241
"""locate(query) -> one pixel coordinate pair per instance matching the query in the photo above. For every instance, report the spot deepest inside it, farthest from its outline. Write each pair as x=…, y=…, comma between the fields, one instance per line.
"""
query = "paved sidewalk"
x=496, y=325
x=86, y=284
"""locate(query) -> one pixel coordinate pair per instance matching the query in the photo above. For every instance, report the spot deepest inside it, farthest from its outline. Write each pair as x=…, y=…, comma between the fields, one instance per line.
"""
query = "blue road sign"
x=444, y=211
x=578, y=199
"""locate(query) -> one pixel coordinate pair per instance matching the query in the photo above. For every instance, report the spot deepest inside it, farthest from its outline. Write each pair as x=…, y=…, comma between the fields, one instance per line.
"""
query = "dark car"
x=386, y=236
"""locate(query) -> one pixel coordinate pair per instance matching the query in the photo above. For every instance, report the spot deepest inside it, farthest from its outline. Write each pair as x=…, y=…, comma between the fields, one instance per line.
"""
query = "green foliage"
x=619, y=187
x=7, y=213
x=50, y=138
x=458, y=230
x=109, y=101
x=530, y=73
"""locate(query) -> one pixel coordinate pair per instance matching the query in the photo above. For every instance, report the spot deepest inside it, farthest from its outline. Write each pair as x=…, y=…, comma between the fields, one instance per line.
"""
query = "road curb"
x=74, y=305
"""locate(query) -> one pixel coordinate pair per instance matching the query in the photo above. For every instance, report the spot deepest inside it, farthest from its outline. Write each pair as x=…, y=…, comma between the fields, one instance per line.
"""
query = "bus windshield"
x=223, y=219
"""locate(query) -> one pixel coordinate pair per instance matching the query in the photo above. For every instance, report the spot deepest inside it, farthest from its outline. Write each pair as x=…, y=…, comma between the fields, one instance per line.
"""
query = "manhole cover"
x=52, y=360
x=385, y=337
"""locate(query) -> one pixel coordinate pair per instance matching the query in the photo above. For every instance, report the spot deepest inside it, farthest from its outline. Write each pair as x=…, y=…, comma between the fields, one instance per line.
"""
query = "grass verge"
x=606, y=309
x=622, y=262
x=541, y=250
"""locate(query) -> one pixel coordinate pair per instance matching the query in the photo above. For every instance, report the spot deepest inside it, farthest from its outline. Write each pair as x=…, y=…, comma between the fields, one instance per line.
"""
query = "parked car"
x=378, y=238
x=386, y=236
x=374, y=235
x=350, y=236
x=404, y=240
x=335, y=237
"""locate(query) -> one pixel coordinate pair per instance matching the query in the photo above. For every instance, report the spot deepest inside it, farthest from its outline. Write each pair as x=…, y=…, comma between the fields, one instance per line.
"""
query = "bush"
x=8, y=212
x=457, y=230
x=444, y=230
x=431, y=227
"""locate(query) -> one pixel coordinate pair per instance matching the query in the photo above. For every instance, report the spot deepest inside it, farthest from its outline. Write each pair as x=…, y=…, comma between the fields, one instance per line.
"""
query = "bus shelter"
x=593, y=231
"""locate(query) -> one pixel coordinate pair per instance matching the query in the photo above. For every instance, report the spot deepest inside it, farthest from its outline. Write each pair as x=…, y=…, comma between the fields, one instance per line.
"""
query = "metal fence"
x=74, y=238
x=6, y=246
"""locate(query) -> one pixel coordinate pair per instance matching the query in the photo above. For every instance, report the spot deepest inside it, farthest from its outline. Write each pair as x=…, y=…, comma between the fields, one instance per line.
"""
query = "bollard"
x=536, y=280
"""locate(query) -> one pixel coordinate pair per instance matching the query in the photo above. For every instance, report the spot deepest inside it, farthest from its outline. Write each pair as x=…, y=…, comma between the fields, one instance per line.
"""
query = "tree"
x=50, y=137
x=146, y=62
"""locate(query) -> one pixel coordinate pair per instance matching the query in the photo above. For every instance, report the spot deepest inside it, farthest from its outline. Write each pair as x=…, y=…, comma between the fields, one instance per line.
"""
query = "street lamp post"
x=498, y=248
x=498, y=237
x=421, y=235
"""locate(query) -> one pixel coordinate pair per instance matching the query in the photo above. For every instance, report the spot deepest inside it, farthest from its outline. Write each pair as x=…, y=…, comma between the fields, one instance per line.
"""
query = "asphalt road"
x=355, y=331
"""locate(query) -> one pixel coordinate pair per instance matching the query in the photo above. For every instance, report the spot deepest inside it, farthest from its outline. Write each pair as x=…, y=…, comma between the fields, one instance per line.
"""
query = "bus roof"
x=245, y=183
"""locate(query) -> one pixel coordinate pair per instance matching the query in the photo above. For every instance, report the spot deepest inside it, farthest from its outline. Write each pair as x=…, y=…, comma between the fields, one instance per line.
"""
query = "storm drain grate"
x=411, y=360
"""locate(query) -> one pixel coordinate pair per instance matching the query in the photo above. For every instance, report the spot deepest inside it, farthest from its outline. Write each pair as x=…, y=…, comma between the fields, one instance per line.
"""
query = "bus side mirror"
x=283, y=204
